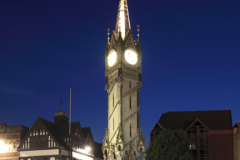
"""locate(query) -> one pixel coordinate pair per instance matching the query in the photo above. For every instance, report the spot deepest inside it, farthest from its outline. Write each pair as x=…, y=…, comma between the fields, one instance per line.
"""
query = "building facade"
x=236, y=140
x=210, y=133
x=123, y=63
x=10, y=138
x=53, y=141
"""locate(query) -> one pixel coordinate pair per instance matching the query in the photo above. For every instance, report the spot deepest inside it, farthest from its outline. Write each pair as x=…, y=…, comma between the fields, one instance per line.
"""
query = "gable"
x=197, y=122
x=105, y=140
x=157, y=127
x=112, y=41
x=88, y=134
x=130, y=41
x=38, y=137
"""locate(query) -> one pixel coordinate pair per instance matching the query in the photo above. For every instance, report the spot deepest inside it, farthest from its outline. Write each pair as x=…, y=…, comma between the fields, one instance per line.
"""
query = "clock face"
x=112, y=58
x=130, y=56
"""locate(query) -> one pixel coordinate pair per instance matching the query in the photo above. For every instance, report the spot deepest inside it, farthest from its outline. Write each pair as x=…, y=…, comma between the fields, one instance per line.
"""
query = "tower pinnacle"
x=123, y=21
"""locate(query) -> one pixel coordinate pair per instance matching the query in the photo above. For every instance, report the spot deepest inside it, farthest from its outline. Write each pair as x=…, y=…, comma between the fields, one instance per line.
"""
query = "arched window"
x=105, y=153
x=114, y=156
x=141, y=152
x=119, y=148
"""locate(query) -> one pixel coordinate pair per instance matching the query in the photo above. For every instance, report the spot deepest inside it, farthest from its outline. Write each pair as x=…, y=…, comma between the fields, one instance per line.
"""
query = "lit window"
x=14, y=145
x=28, y=143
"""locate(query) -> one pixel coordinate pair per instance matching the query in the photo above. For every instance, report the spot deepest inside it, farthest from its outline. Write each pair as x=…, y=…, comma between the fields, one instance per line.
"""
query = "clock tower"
x=123, y=62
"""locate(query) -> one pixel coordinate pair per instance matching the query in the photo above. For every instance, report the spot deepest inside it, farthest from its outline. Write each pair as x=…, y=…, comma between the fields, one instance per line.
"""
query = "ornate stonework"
x=124, y=138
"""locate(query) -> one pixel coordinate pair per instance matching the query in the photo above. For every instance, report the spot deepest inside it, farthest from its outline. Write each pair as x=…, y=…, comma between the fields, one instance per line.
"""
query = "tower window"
x=130, y=130
x=130, y=103
x=129, y=84
x=113, y=100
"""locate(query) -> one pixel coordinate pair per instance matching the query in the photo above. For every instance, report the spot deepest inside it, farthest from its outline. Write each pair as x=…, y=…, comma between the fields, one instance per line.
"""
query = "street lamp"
x=87, y=149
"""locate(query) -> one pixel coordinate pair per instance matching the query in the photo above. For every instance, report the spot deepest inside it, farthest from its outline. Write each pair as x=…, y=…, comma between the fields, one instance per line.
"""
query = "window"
x=26, y=144
x=192, y=135
x=105, y=153
x=67, y=141
x=14, y=145
x=130, y=103
x=113, y=123
x=113, y=100
x=51, y=143
x=130, y=130
x=130, y=84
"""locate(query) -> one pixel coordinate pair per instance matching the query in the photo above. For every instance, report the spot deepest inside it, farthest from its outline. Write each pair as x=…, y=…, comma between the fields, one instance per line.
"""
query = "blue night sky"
x=191, y=55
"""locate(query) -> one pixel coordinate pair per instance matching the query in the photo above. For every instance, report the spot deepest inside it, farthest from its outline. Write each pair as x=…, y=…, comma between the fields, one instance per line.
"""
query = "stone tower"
x=123, y=62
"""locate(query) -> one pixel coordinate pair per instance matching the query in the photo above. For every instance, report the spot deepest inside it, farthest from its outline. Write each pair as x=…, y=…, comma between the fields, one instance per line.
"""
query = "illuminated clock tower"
x=123, y=62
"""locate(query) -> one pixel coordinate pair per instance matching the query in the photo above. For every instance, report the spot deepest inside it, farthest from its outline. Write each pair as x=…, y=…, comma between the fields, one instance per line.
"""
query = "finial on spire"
x=61, y=103
x=138, y=26
x=108, y=34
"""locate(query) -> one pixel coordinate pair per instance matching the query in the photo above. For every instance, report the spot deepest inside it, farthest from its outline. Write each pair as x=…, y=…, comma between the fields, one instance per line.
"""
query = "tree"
x=169, y=146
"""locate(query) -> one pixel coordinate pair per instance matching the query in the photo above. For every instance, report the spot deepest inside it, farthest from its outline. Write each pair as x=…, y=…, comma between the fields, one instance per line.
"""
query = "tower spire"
x=123, y=21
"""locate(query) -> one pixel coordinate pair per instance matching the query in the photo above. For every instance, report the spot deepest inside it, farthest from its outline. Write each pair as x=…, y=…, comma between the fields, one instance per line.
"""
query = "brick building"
x=236, y=140
x=210, y=132
x=10, y=138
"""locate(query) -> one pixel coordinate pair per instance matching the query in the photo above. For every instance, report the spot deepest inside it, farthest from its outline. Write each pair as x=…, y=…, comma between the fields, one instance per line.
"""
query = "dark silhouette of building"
x=52, y=141
x=210, y=133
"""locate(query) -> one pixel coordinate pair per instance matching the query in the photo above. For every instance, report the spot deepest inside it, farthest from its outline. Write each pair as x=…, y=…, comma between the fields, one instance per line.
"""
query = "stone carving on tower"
x=123, y=63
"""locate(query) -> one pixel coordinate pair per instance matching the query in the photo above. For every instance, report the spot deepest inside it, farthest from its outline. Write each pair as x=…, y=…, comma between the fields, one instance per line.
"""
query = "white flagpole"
x=70, y=140
x=70, y=115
